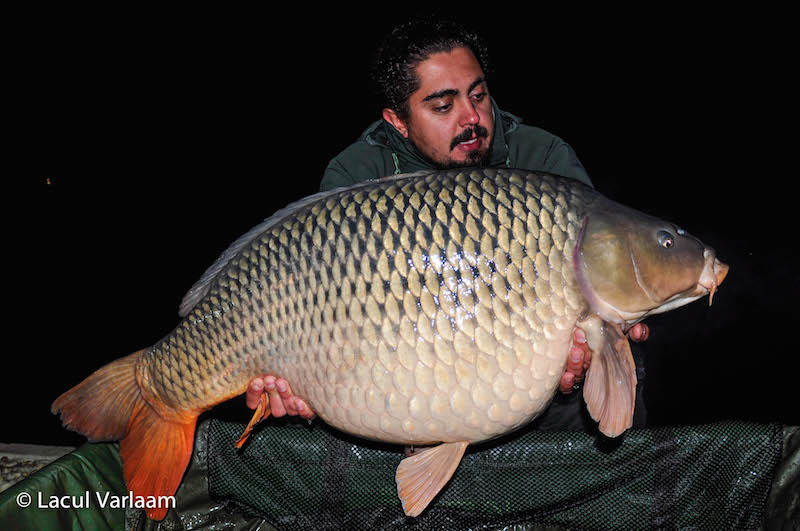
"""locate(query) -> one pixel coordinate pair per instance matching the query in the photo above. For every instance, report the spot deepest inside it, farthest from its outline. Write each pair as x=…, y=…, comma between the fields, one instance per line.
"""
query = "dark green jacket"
x=382, y=151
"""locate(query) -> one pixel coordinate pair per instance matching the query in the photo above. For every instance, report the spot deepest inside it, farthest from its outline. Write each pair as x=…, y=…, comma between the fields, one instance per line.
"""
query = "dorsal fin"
x=201, y=287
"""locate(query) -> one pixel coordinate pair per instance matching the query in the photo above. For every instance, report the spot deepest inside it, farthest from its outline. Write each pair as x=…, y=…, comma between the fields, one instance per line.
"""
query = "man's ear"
x=390, y=116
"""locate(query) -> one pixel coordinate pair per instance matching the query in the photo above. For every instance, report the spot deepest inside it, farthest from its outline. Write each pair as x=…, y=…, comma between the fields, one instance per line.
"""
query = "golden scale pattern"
x=410, y=310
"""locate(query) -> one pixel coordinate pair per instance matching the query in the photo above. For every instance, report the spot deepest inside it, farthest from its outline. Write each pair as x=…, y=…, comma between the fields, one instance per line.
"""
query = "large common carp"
x=418, y=309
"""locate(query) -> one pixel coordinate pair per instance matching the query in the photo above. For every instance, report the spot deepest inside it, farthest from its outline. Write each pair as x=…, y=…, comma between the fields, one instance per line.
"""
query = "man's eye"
x=442, y=108
x=479, y=96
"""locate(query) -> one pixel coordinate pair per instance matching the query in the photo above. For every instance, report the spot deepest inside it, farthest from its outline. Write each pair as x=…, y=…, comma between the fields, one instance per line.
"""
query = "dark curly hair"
x=407, y=45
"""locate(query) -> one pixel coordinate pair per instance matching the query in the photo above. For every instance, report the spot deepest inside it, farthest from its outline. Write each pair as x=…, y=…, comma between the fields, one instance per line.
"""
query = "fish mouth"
x=713, y=274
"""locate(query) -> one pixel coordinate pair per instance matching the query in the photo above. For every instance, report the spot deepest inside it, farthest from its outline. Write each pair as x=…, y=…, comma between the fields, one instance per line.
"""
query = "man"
x=438, y=114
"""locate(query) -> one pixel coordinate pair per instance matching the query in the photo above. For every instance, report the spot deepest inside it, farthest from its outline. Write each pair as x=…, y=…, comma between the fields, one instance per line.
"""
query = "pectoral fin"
x=420, y=477
x=610, y=390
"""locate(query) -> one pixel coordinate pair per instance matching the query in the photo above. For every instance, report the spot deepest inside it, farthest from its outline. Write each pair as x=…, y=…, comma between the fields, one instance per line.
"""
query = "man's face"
x=450, y=118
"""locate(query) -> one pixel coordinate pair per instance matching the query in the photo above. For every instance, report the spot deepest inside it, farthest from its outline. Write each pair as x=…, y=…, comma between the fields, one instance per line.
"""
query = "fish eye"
x=665, y=239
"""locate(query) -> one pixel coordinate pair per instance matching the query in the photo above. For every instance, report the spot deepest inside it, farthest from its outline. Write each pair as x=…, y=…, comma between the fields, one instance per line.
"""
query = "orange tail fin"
x=108, y=405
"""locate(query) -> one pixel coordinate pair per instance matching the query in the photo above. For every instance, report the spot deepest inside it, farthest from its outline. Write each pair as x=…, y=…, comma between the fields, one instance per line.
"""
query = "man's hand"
x=639, y=332
x=282, y=400
x=580, y=357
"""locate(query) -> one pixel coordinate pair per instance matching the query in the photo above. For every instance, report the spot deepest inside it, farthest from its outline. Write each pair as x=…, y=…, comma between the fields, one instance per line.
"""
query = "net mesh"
x=296, y=476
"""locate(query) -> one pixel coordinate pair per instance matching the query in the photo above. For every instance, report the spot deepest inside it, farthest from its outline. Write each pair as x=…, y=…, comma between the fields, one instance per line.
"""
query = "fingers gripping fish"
x=424, y=309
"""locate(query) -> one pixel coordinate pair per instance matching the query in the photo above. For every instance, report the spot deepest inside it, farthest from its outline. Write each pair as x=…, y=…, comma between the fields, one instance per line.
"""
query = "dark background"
x=156, y=139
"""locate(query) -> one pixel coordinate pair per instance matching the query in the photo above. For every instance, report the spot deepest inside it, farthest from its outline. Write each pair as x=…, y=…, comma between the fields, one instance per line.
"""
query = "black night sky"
x=165, y=137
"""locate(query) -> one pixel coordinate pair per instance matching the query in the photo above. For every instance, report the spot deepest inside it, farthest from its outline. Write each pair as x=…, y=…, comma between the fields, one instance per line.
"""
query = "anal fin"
x=610, y=390
x=262, y=412
x=420, y=477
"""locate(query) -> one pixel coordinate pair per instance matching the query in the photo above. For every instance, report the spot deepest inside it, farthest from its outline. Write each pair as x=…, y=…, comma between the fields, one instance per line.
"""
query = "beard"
x=479, y=157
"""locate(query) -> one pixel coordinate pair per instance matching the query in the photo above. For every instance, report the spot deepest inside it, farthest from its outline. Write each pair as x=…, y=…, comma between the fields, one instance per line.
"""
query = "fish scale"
x=443, y=303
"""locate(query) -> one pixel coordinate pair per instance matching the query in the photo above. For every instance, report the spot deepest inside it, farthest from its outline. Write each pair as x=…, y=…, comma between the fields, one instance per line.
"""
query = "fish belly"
x=423, y=393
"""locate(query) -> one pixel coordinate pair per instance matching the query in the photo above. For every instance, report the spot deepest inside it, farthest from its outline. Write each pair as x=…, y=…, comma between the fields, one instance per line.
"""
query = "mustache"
x=478, y=130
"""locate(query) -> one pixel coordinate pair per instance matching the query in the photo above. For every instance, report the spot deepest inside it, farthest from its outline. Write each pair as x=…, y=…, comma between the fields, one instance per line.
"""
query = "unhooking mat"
x=289, y=475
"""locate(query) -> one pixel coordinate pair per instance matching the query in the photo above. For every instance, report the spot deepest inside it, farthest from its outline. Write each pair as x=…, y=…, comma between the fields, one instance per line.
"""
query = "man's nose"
x=469, y=115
